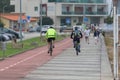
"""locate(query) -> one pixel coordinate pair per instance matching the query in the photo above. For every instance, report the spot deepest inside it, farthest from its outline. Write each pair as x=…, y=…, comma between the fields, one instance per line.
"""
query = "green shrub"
x=1, y=24
x=108, y=20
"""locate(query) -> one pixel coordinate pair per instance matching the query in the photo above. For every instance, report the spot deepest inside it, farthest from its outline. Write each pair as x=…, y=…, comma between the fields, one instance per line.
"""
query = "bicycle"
x=77, y=47
x=51, y=48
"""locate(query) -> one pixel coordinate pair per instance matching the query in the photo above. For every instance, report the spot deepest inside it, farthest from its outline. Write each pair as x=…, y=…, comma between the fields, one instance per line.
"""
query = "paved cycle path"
x=18, y=66
x=91, y=64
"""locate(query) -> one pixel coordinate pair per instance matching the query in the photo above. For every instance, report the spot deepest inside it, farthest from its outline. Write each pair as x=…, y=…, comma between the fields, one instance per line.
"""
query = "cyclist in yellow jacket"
x=50, y=36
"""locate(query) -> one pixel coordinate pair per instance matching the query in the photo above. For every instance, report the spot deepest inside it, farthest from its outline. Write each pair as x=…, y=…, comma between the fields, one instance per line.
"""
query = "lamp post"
x=20, y=20
x=115, y=49
x=4, y=8
x=55, y=13
x=40, y=19
x=116, y=40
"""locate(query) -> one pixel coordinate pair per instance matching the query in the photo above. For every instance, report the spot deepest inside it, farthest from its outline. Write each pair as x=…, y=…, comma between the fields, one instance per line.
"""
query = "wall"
x=6, y=22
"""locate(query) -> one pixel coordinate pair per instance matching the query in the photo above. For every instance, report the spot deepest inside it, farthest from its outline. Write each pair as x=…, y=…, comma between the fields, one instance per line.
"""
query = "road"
x=28, y=35
x=31, y=35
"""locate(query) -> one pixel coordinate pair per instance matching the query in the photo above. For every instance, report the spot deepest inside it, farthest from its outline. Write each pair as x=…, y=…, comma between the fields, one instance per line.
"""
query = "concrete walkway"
x=91, y=64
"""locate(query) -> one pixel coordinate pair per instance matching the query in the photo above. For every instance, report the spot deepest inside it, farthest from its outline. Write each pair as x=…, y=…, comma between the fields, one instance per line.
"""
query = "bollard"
x=3, y=49
x=0, y=45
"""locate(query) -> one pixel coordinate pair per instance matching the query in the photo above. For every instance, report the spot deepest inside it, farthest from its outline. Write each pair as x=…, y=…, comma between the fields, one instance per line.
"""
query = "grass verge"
x=27, y=45
x=109, y=44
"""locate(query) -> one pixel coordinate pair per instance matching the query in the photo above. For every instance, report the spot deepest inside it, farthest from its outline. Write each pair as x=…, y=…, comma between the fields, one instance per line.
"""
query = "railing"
x=102, y=13
x=78, y=1
x=67, y=13
x=86, y=13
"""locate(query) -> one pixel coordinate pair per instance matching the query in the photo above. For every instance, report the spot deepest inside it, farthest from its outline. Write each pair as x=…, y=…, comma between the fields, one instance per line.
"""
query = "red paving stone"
x=17, y=67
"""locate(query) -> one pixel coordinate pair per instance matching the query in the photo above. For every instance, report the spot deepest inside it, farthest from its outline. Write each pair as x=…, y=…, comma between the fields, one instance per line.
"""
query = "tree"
x=78, y=23
x=1, y=24
x=46, y=21
x=8, y=8
x=108, y=20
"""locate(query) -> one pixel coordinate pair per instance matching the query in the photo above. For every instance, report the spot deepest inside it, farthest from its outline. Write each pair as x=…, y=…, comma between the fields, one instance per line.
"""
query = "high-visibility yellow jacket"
x=51, y=33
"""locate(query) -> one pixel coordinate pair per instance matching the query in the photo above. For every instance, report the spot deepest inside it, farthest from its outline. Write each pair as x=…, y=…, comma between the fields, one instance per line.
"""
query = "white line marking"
x=21, y=61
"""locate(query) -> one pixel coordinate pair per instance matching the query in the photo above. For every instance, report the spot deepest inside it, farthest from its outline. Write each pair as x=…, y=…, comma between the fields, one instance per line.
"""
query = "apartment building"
x=30, y=7
x=118, y=11
x=66, y=12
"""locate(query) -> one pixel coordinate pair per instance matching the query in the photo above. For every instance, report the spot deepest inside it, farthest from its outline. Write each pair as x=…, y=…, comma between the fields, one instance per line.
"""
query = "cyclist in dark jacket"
x=76, y=35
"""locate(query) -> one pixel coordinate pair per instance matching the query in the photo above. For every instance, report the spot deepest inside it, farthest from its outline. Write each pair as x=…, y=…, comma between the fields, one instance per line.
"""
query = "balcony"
x=78, y=1
x=95, y=13
x=72, y=13
x=78, y=13
x=101, y=13
x=86, y=13
x=90, y=13
x=67, y=13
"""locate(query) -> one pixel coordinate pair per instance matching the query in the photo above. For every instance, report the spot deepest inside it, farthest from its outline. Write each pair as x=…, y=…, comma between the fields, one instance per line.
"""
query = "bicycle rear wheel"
x=51, y=48
x=76, y=47
x=77, y=50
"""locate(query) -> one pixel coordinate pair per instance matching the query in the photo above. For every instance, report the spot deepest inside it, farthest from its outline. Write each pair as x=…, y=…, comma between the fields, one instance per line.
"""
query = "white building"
x=30, y=7
x=66, y=12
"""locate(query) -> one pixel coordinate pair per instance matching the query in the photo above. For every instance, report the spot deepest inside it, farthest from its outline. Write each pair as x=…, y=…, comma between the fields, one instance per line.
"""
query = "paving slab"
x=91, y=64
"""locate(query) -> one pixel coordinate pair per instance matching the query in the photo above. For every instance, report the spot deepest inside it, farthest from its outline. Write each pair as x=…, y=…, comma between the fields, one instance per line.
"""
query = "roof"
x=15, y=17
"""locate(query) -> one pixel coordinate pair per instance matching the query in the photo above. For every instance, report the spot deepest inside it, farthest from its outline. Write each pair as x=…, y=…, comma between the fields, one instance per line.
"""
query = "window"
x=51, y=0
x=66, y=21
x=36, y=8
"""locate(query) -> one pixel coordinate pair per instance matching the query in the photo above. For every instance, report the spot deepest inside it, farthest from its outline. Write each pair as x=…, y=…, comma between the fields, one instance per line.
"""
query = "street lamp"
x=40, y=18
x=4, y=8
x=55, y=14
x=20, y=21
x=115, y=49
x=115, y=42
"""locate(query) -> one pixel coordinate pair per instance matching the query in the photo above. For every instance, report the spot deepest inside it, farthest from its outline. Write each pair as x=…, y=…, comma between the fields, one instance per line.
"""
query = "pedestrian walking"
x=87, y=34
x=96, y=36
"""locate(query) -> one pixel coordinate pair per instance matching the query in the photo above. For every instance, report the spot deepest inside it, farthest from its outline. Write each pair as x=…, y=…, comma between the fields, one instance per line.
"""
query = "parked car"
x=43, y=29
x=2, y=38
x=62, y=28
x=79, y=27
x=5, y=37
x=17, y=29
x=17, y=34
x=38, y=29
x=11, y=36
x=8, y=34
x=32, y=29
